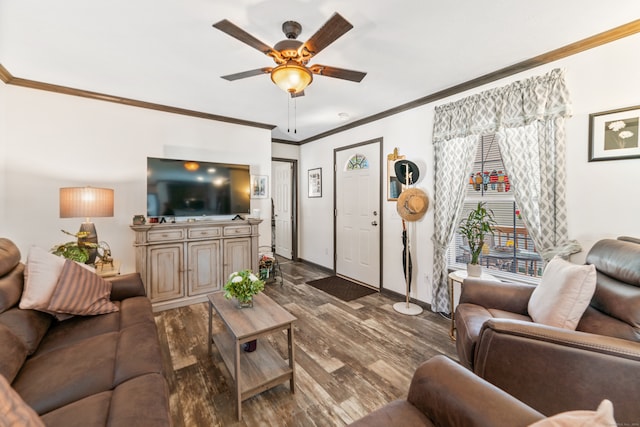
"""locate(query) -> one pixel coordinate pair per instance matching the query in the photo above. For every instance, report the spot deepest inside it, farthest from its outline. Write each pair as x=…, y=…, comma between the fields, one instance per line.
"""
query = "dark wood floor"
x=351, y=358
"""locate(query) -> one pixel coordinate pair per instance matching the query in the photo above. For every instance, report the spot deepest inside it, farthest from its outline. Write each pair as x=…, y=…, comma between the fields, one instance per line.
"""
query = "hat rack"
x=406, y=175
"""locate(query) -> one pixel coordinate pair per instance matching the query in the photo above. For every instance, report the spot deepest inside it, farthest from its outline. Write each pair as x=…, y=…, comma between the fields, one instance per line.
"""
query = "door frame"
x=335, y=202
x=294, y=205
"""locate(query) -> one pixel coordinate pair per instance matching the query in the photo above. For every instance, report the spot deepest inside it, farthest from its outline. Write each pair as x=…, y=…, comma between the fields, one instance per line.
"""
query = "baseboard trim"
x=314, y=265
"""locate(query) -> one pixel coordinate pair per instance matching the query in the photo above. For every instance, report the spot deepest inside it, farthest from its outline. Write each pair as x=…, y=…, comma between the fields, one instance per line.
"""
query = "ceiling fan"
x=291, y=73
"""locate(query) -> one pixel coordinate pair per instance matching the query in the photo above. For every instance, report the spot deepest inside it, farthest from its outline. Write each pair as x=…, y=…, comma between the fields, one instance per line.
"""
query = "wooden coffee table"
x=263, y=368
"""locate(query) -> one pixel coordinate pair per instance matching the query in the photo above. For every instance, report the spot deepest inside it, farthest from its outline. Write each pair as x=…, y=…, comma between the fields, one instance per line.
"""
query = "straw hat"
x=412, y=204
x=401, y=167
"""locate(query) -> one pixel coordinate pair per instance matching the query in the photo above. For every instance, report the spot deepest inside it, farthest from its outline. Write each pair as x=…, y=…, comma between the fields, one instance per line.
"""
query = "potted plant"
x=475, y=227
x=243, y=285
x=77, y=250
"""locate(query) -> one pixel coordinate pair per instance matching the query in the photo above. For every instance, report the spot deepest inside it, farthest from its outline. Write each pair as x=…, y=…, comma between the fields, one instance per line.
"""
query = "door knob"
x=374, y=223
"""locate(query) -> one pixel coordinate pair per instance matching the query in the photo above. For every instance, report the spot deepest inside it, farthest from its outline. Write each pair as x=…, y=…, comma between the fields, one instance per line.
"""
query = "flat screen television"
x=192, y=188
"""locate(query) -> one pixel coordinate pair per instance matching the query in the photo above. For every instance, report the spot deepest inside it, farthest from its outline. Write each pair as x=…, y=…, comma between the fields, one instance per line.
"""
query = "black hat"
x=401, y=172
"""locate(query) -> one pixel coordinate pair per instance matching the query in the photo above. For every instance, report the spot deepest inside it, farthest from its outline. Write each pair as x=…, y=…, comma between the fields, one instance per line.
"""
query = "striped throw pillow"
x=13, y=410
x=81, y=292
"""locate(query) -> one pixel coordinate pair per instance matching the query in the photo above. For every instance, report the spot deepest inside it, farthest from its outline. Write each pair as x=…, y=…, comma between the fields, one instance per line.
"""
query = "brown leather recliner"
x=552, y=369
x=443, y=393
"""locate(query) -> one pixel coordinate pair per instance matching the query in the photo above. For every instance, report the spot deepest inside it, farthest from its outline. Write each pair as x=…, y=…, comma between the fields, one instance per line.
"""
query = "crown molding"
x=8, y=78
x=597, y=40
x=5, y=75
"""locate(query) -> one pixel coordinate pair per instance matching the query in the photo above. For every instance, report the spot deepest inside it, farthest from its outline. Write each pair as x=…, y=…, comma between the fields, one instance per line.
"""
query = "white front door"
x=283, y=207
x=357, y=174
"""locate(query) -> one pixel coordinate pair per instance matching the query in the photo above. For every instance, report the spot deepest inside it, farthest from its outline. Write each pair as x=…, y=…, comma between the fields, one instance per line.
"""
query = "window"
x=510, y=251
x=358, y=161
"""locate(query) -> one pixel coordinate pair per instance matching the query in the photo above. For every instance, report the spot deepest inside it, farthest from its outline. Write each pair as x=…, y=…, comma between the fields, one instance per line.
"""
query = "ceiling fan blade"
x=335, y=27
x=245, y=74
x=298, y=94
x=234, y=31
x=338, y=73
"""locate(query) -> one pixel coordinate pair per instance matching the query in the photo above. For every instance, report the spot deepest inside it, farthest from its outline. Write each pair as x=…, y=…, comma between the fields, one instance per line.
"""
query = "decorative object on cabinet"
x=315, y=182
x=139, y=220
x=613, y=135
x=394, y=186
x=259, y=186
x=86, y=202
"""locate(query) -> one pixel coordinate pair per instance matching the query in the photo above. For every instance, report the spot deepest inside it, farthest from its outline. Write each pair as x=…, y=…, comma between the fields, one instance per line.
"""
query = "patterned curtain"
x=528, y=118
x=454, y=160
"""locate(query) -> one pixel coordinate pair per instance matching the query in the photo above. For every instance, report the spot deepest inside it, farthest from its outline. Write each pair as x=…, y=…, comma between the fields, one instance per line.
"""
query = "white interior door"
x=283, y=207
x=358, y=213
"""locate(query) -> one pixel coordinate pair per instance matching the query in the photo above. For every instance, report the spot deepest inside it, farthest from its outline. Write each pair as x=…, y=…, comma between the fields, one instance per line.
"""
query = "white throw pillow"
x=41, y=275
x=563, y=294
x=603, y=417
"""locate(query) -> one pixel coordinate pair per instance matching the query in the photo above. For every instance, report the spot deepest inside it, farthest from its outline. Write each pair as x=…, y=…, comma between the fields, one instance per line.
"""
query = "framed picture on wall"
x=315, y=182
x=613, y=135
x=259, y=186
x=394, y=186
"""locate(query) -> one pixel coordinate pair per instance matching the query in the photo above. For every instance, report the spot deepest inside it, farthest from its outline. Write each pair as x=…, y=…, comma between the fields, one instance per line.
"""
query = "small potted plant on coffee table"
x=475, y=227
x=243, y=285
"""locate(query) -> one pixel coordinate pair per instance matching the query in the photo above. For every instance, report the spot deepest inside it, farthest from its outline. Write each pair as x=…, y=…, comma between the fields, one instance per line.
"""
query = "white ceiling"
x=166, y=51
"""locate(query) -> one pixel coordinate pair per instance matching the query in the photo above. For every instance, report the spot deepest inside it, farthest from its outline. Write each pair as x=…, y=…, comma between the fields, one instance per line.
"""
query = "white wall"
x=408, y=131
x=54, y=141
x=603, y=198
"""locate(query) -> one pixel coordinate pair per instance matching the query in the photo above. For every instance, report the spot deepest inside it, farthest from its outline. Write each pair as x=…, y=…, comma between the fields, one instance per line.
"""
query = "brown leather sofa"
x=86, y=371
x=443, y=393
x=553, y=369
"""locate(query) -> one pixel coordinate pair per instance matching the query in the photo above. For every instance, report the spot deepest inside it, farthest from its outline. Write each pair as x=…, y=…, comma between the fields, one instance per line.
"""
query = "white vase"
x=474, y=270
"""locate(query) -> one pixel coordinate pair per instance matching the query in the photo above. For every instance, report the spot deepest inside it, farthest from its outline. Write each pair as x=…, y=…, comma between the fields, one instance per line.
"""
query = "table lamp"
x=86, y=202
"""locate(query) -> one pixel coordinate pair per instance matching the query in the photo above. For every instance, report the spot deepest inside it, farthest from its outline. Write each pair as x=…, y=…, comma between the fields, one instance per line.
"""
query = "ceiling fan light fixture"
x=291, y=77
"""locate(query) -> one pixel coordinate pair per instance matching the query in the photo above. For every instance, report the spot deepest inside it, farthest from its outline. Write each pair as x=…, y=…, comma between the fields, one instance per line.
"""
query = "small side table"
x=458, y=276
x=262, y=369
x=108, y=270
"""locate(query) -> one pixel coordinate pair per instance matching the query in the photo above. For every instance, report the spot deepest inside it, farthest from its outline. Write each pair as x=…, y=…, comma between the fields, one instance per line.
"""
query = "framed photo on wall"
x=613, y=135
x=259, y=186
x=315, y=182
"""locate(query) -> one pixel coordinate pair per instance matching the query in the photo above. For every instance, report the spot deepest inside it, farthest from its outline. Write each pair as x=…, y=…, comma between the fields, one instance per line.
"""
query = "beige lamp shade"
x=86, y=202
